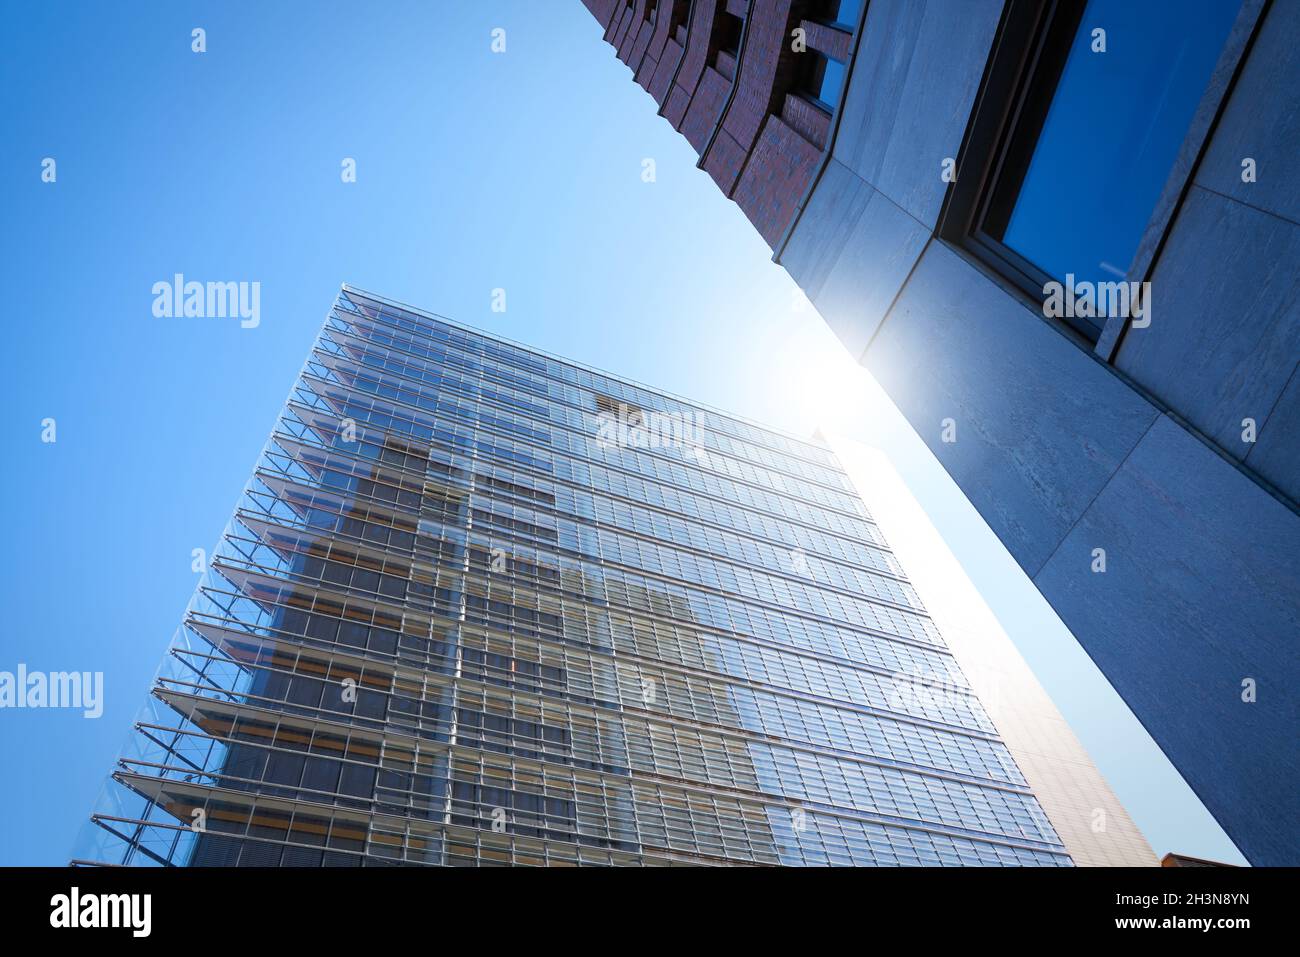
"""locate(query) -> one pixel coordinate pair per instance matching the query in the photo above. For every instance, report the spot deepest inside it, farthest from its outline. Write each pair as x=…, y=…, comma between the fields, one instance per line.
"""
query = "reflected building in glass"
x=482, y=605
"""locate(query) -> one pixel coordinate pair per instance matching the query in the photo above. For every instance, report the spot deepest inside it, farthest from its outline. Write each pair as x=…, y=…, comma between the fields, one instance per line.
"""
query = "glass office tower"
x=482, y=605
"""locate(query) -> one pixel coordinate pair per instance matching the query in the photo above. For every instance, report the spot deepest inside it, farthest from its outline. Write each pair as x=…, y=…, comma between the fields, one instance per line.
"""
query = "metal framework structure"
x=458, y=619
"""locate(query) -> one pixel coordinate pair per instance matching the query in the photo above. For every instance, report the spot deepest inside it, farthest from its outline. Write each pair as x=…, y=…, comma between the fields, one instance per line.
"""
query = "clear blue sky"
x=475, y=171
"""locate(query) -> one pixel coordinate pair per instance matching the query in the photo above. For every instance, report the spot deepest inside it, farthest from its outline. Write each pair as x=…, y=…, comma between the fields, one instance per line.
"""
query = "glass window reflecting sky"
x=832, y=83
x=1113, y=132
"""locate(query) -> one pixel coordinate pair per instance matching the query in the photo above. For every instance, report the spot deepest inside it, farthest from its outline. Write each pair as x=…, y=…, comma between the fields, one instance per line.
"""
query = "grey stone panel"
x=914, y=82
x=1262, y=121
x=1225, y=329
x=877, y=257
x=1201, y=591
x=1040, y=427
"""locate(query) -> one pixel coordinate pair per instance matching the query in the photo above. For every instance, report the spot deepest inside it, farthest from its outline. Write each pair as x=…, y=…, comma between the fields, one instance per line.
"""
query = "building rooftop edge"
x=784, y=433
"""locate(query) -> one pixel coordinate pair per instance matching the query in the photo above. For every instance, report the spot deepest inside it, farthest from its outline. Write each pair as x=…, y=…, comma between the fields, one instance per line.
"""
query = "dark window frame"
x=818, y=15
x=802, y=87
x=1012, y=92
x=728, y=34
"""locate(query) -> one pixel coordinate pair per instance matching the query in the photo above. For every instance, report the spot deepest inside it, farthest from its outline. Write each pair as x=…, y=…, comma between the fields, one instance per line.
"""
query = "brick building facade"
x=740, y=80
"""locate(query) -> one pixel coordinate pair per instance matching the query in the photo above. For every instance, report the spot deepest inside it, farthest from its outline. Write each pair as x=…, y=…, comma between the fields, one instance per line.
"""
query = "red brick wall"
x=806, y=120
x=639, y=45
x=632, y=32
x=622, y=21
x=774, y=180
x=664, y=71
x=602, y=10
x=758, y=140
x=834, y=43
x=766, y=69
x=706, y=105
x=724, y=160
x=697, y=51
x=671, y=13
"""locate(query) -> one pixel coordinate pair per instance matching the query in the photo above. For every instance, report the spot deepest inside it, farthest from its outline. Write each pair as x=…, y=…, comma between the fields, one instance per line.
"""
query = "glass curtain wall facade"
x=482, y=605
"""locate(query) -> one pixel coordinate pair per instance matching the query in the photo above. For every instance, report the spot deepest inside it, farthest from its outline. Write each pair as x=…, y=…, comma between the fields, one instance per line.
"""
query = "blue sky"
x=475, y=171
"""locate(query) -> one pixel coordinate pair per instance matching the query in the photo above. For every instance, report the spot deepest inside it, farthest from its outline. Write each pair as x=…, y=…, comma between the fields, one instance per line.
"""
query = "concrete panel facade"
x=914, y=80
x=1210, y=565
x=1224, y=342
x=1032, y=443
